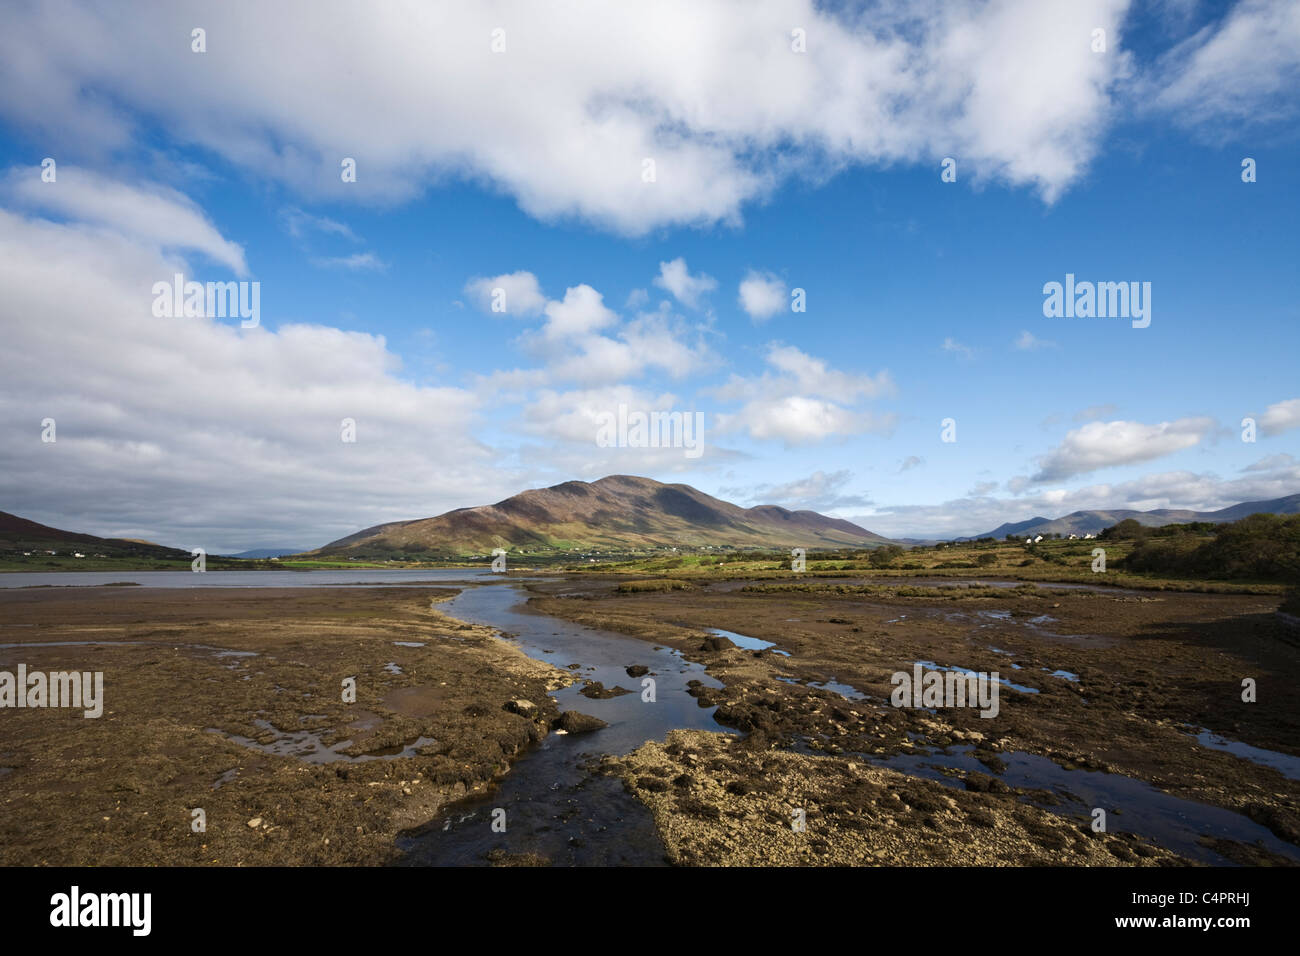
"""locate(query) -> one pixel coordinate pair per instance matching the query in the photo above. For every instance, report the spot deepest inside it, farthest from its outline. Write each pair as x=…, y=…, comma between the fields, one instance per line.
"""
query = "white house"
x=77, y=554
x=1073, y=537
x=1038, y=539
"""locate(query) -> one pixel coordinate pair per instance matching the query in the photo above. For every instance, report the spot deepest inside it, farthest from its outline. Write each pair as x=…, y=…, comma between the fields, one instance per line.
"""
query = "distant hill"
x=1091, y=522
x=265, y=553
x=19, y=534
x=621, y=512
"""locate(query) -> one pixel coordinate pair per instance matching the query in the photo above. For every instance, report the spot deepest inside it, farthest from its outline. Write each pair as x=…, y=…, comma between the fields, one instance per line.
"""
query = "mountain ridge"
x=1095, y=520
x=615, y=512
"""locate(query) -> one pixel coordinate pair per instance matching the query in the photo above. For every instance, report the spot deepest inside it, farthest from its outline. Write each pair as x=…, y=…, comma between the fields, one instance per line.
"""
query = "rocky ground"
x=121, y=789
x=1149, y=668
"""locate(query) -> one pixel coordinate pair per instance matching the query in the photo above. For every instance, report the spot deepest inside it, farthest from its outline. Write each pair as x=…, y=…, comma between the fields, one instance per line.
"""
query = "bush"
x=1260, y=546
x=883, y=557
x=987, y=558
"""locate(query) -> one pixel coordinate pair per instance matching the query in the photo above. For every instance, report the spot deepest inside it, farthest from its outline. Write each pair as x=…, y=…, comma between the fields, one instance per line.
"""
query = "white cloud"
x=802, y=420
x=805, y=401
x=762, y=295
x=1241, y=70
x=194, y=432
x=1280, y=417
x=298, y=224
x=978, y=513
x=563, y=119
x=523, y=296
x=147, y=212
x=1105, y=444
x=819, y=491
x=952, y=345
x=686, y=288
x=582, y=312
x=1272, y=462
x=1029, y=342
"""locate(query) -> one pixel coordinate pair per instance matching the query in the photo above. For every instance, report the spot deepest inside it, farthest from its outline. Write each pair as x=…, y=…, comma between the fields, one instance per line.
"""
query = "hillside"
x=18, y=535
x=1091, y=522
x=621, y=512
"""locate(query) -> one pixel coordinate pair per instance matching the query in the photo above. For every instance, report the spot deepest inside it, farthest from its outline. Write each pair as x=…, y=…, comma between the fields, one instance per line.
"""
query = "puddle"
x=843, y=690
x=225, y=778
x=1286, y=764
x=409, y=643
x=748, y=643
x=1170, y=821
x=307, y=746
x=1068, y=675
x=392, y=668
x=970, y=673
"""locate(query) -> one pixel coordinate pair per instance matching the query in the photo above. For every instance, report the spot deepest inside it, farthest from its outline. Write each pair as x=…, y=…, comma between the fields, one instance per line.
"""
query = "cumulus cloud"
x=1105, y=444
x=1280, y=417
x=804, y=401
x=686, y=288
x=762, y=295
x=198, y=433
x=520, y=296
x=565, y=117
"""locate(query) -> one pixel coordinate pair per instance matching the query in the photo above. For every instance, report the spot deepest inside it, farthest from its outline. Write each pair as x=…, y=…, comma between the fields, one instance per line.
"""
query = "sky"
x=828, y=229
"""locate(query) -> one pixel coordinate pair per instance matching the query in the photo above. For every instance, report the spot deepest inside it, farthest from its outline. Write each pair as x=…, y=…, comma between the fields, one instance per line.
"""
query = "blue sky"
x=924, y=298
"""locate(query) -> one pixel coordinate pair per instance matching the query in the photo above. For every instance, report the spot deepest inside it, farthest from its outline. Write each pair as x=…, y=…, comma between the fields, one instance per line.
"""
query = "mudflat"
x=230, y=701
x=1111, y=683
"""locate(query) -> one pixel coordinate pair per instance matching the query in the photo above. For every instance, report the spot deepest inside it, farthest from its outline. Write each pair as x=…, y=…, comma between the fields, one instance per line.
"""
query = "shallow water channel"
x=553, y=806
x=556, y=808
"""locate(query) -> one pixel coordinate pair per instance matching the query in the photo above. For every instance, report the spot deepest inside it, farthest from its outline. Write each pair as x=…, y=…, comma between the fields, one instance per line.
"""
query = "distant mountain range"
x=618, y=513
x=1090, y=522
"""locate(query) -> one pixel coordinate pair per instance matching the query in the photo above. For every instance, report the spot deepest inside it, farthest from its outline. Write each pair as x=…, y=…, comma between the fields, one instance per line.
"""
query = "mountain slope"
x=20, y=534
x=1090, y=522
x=615, y=513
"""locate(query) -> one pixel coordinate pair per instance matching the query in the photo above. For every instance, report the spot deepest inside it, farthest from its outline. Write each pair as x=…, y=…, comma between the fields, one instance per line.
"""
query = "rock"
x=573, y=722
x=638, y=670
x=598, y=691
x=716, y=643
x=255, y=823
x=525, y=708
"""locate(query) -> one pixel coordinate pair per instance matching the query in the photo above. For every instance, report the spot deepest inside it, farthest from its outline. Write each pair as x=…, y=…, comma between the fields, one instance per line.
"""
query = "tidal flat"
x=788, y=751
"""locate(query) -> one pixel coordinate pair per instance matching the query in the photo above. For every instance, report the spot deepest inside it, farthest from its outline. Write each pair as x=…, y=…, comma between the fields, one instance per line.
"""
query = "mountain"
x=19, y=534
x=621, y=512
x=1090, y=522
x=265, y=553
